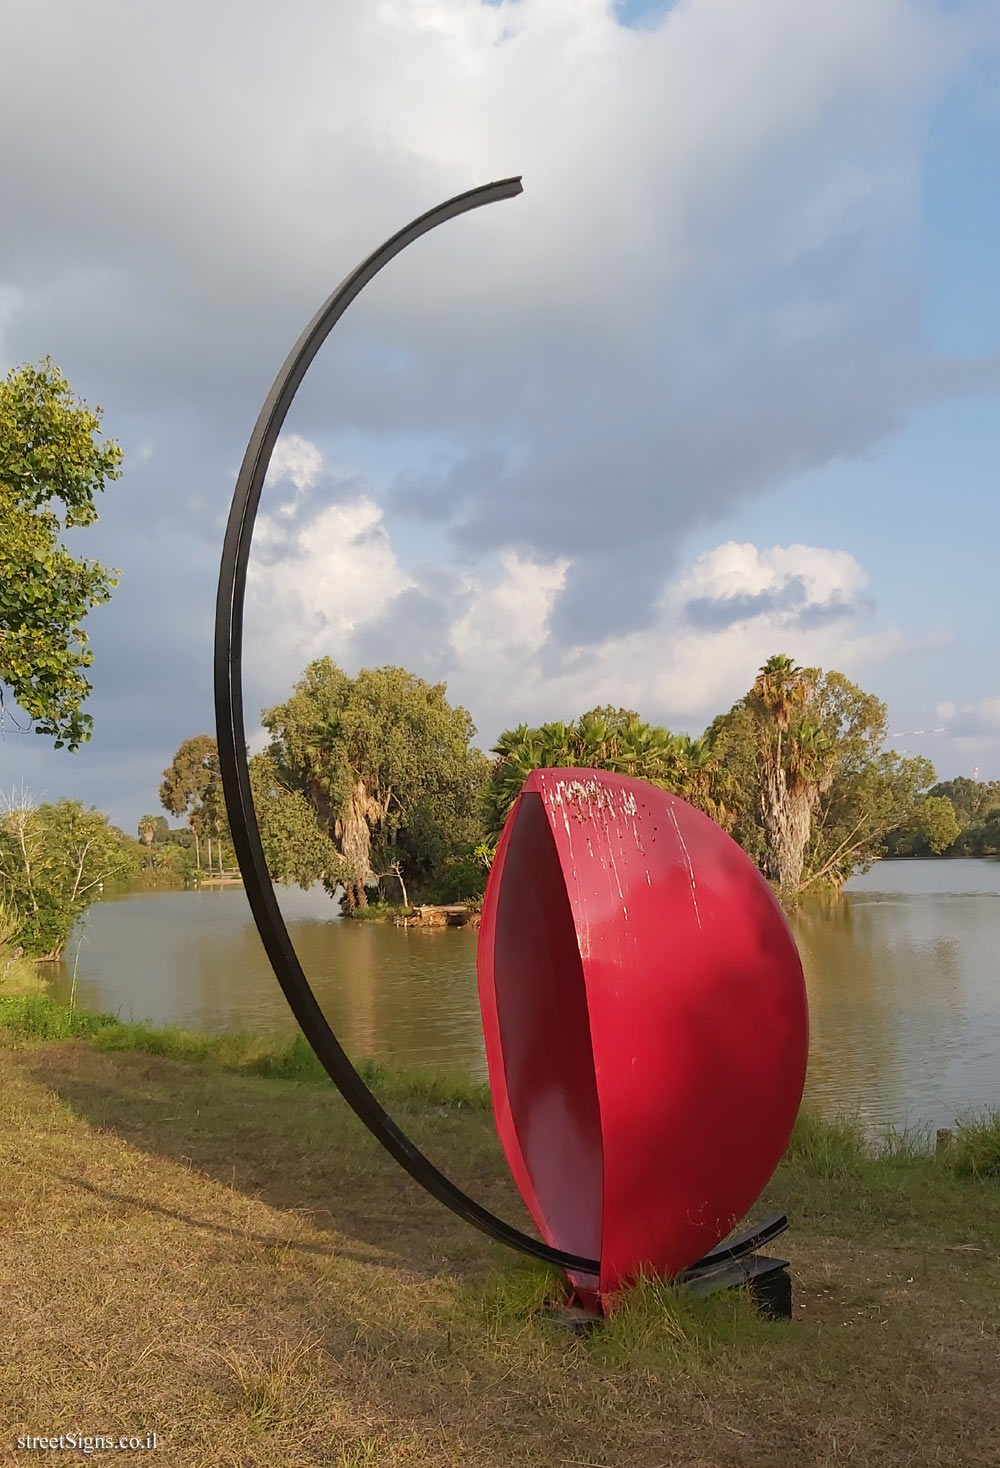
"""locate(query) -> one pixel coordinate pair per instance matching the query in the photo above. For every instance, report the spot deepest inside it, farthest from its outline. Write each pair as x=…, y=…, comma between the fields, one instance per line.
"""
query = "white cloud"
x=507, y=621
x=671, y=669
x=989, y=713
x=296, y=460
x=741, y=574
x=704, y=274
x=315, y=579
x=708, y=287
x=325, y=584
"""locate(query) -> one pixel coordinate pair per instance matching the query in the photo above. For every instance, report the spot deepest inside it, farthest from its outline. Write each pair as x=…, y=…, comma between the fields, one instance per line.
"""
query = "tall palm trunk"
x=786, y=815
x=779, y=697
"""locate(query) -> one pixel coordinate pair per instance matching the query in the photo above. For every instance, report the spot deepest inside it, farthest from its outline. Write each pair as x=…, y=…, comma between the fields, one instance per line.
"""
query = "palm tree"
x=796, y=764
x=518, y=752
x=781, y=688
x=650, y=753
x=704, y=782
x=603, y=740
x=147, y=832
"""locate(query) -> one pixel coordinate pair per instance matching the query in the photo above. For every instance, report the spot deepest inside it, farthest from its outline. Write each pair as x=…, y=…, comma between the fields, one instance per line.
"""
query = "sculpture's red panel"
x=544, y=1039
x=645, y=1021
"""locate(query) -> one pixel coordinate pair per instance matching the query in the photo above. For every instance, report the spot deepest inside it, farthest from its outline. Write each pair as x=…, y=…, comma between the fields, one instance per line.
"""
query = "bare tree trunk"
x=397, y=868
x=27, y=867
x=19, y=807
x=197, y=849
x=209, y=840
x=350, y=830
x=79, y=871
x=356, y=841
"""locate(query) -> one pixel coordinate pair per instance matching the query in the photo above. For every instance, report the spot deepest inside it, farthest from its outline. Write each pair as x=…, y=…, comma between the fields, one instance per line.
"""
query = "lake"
x=903, y=979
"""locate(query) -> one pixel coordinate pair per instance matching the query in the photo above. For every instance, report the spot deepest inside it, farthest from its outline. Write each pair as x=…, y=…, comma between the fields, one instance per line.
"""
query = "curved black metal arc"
x=231, y=736
x=736, y=1246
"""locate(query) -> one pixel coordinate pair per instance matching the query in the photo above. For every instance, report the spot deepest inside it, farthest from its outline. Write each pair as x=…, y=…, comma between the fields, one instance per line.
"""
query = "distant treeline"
x=372, y=785
x=956, y=818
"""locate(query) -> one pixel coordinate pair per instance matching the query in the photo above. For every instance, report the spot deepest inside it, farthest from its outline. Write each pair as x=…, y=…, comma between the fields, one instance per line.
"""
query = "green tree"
x=863, y=806
x=172, y=862
x=796, y=761
x=704, y=782
x=977, y=810
x=937, y=823
x=52, y=465
x=814, y=793
x=192, y=787
x=987, y=835
x=214, y=820
x=607, y=739
x=874, y=790
x=972, y=800
x=54, y=860
x=732, y=737
x=296, y=849
x=386, y=764
x=146, y=829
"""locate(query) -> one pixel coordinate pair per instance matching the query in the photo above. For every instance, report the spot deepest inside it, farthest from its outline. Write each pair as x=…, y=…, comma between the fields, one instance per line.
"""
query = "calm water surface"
x=903, y=979
x=904, y=992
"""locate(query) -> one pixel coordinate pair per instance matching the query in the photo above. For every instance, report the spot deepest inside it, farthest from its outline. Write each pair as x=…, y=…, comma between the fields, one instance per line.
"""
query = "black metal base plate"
x=766, y=1279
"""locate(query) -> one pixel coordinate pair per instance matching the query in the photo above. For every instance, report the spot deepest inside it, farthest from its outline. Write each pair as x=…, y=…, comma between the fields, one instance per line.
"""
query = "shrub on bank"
x=377, y=912
x=39, y=1017
x=54, y=860
x=976, y=1150
x=834, y=1149
x=18, y=975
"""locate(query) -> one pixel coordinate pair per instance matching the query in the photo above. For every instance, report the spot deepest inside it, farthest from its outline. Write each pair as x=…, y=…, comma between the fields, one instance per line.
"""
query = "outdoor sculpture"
x=642, y=998
x=645, y=1023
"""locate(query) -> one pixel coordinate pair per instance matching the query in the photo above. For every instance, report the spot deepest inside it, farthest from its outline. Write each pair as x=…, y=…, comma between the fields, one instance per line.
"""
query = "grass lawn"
x=229, y=1260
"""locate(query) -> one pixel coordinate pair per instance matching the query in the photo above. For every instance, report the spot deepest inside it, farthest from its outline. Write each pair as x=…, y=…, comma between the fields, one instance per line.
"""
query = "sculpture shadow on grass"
x=296, y=1148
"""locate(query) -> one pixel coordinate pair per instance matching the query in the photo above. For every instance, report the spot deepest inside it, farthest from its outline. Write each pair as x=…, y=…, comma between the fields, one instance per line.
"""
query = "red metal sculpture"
x=645, y=1021
x=643, y=1005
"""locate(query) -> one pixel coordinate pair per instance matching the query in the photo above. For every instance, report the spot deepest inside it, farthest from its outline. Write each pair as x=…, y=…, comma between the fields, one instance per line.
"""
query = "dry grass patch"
x=231, y=1262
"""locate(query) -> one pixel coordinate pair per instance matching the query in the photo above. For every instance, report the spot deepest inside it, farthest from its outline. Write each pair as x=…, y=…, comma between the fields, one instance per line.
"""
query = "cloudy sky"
x=723, y=381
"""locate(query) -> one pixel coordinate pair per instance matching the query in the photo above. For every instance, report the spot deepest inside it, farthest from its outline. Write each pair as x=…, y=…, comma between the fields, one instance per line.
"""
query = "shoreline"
x=35, y=1016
